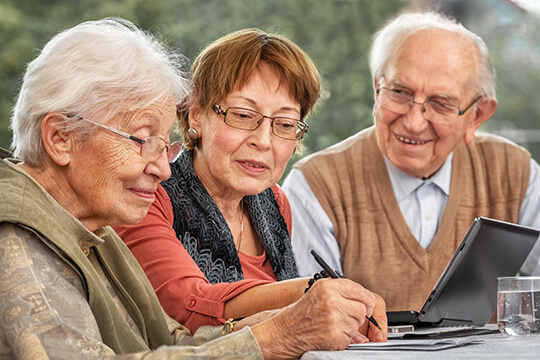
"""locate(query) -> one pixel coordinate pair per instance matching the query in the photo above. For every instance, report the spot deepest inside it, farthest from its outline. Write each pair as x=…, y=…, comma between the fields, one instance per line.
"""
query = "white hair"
x=387, y=41
x=96, y=69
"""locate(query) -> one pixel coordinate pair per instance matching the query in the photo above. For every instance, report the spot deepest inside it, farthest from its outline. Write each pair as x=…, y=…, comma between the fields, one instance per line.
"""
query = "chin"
x=255, y=190
x=134, y=217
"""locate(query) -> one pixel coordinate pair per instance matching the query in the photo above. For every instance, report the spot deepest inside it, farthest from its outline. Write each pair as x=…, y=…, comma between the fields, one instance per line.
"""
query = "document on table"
x=422, y=345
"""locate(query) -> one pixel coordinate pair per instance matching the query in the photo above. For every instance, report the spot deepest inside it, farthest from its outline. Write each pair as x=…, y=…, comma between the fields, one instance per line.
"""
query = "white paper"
x=422, y=345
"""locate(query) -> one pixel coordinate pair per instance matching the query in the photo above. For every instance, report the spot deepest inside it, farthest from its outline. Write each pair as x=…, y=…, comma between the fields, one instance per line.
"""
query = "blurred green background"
x=335, y=33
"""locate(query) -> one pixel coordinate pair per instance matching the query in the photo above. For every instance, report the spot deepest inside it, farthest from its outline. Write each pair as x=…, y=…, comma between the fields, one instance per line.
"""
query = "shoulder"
x=12, y=187
x=495, y=141
x=281, y=197
x=497, y=149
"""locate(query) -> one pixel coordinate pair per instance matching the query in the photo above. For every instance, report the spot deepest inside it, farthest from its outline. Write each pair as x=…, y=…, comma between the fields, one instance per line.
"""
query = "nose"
x=261, y=137
x=159, y=167
x=414, y=119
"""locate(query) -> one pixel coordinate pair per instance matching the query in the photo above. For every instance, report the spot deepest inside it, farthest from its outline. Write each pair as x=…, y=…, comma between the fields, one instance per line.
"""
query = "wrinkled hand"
x=330, y=316
x=379, y=314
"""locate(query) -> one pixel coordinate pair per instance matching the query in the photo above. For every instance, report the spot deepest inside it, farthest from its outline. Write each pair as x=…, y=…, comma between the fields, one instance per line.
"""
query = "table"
x=493, y=347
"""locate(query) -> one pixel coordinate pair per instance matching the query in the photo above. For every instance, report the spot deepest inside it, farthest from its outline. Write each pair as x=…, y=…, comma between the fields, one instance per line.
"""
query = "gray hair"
x=386, y=43
x=96, y=69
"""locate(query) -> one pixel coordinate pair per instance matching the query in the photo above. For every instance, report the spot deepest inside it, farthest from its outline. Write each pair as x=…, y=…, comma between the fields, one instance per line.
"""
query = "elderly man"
x=389, y=205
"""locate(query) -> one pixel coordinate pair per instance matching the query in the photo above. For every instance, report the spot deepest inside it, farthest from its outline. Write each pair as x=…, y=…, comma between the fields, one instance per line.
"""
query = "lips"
x=255, y=166
x=146, y=193
x=411, y=141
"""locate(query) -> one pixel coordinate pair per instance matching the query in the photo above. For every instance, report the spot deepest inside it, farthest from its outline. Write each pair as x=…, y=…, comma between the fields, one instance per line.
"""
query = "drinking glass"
x=518, y=305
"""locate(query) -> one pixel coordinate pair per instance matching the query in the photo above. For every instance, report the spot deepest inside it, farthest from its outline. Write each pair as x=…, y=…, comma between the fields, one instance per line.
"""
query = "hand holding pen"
x=336, y=275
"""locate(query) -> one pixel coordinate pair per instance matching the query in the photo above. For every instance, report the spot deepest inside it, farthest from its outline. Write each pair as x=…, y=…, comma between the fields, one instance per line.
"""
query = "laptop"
x=466, y=292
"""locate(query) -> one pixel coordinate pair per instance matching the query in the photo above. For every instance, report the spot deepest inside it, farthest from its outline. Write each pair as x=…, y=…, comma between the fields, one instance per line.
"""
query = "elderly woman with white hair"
x=91, y=137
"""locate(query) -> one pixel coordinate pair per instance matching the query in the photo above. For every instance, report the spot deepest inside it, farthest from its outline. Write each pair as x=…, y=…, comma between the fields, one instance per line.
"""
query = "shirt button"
x=428, y=217
x=192, y=303
x=86, y=252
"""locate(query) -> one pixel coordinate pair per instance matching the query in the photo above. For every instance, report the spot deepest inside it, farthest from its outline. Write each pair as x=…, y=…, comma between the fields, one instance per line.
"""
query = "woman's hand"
x=330, y=316
x=379, y=314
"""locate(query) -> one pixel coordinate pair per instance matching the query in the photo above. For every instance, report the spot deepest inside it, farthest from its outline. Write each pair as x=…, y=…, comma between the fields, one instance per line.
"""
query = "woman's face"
x=112, y=182
x=232, y=162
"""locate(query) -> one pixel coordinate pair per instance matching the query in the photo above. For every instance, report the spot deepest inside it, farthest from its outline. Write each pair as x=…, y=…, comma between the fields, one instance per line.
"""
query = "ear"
x=57, y=142
x=194, y=118
x=376, y=86
x=484, y=110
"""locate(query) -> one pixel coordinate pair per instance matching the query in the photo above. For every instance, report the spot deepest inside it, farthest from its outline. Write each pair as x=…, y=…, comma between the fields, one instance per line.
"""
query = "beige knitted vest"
x=489, y=178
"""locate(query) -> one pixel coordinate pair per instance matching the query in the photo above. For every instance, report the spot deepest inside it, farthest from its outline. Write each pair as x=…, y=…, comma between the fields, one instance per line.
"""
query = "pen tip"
x=374, y=322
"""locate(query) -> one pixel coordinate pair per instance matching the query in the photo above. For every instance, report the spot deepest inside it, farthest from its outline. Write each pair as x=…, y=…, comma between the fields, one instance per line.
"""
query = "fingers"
x=356, y=292
x=345, y=302
x=360, y=303
x=347, y=290
x=359, y=339
x=330, y=316
x=379, y=314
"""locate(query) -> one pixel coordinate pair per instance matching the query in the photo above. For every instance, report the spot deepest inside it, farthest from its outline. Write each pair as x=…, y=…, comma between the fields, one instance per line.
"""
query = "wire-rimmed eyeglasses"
x=151, y=147
x=400, y=102
x=248, y=119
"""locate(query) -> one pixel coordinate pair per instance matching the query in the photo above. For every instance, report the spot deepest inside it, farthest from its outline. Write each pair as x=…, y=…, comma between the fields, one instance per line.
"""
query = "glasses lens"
x=174, y=151
x=153, y=147
x=242, y=118
x=399, y=102
x=395, y=100
x=286, y=128
x=440, y=112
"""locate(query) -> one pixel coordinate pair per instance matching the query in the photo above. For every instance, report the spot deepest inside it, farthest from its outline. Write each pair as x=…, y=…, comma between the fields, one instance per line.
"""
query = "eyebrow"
x=442, y=96
x=148, y=120
x=254, y=103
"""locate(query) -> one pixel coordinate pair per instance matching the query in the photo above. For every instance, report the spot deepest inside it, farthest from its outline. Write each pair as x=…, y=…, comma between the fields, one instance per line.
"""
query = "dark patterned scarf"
x=202, y=229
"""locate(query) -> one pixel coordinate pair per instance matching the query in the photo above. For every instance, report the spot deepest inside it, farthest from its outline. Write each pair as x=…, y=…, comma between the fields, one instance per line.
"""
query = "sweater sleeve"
x=183, y=290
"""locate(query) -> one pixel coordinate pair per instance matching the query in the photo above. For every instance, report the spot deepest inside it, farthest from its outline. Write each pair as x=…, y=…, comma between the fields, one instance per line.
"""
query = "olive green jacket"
x=25, y=203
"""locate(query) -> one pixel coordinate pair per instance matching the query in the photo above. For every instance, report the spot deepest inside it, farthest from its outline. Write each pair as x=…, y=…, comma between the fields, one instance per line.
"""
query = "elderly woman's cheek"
x=117, y=163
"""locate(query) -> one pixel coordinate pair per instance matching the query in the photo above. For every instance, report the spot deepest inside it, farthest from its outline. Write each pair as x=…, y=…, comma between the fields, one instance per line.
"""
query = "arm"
x=183, y=290
x=45, y=313
x=529, y=215
x=312, y=229
x=329, y=317
x=265, y=297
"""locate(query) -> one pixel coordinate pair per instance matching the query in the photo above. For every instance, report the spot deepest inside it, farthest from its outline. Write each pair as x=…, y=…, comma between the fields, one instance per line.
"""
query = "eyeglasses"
x=247, y=119
x=400, y=102
x=151, y=147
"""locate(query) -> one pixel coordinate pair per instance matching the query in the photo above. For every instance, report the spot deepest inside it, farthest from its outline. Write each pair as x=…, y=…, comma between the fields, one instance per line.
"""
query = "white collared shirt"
x=422, y=202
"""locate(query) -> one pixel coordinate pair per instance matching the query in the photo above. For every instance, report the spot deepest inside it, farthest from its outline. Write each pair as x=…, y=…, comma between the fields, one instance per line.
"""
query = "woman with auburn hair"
x=91, y=137
x=216, y=244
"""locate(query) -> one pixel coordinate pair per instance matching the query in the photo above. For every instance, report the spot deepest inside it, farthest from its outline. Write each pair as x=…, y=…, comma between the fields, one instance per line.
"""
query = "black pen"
x=336, y=275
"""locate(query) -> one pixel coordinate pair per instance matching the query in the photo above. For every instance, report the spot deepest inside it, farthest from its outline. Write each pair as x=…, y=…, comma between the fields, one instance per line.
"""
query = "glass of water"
x=518, y=305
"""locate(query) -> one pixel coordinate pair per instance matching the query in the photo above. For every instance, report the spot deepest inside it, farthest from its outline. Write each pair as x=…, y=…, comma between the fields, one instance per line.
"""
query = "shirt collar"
x=403, y=184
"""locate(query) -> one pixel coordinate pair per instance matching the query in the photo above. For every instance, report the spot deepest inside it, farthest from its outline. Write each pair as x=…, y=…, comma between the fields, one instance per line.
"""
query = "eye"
x=285, y=124
x=242, y=114
x=399, y=95
x=442, y=108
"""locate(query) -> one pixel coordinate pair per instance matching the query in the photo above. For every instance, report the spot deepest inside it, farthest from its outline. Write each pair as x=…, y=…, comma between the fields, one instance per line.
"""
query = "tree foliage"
x=335, y=33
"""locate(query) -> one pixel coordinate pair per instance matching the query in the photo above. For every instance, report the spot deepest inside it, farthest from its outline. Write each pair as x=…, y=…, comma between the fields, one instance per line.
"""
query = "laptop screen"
x=466, y=292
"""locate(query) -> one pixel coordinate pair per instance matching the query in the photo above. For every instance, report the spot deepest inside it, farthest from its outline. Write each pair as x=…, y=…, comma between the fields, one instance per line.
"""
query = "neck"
x=52, y=178
x=226, y=200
